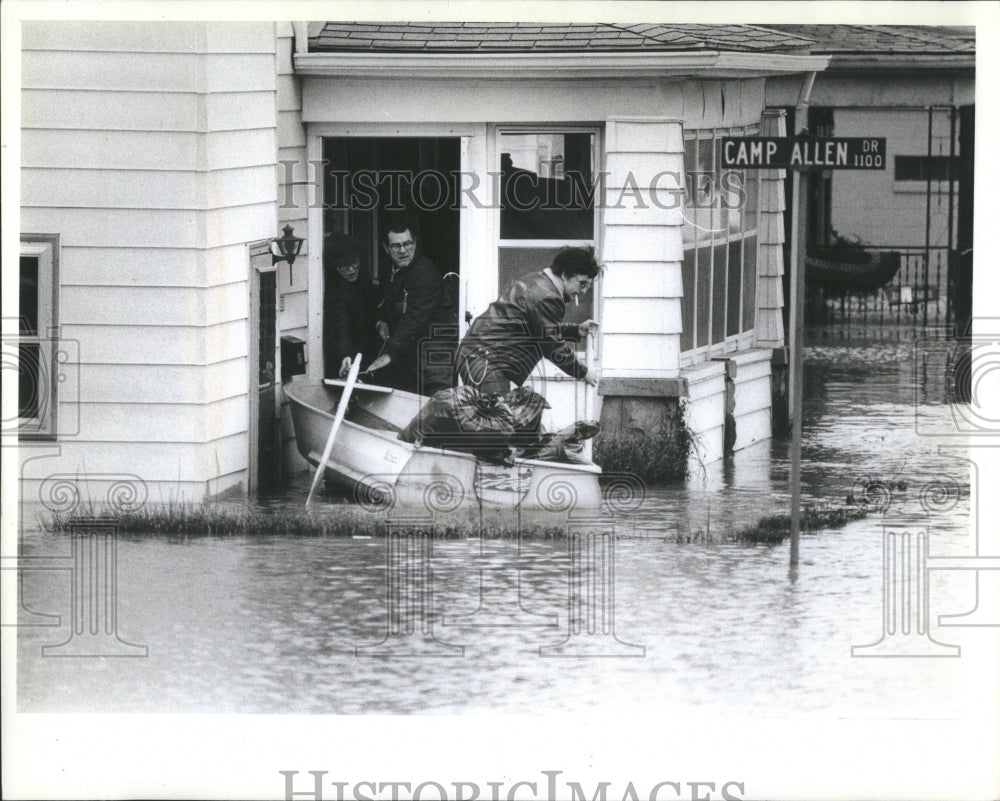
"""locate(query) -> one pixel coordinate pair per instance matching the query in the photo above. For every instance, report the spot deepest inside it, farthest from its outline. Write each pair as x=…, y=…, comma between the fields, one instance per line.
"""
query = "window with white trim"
x=719, y=273
x=548, y=185
x=37, y=379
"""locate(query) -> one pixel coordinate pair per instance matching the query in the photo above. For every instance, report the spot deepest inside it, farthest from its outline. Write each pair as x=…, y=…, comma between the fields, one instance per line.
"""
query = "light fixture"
x=286, y=248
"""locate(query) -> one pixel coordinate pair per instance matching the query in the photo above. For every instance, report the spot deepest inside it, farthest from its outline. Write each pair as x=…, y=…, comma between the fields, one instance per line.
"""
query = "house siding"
x=149, y=148
x=642, y=323
x=296, y=190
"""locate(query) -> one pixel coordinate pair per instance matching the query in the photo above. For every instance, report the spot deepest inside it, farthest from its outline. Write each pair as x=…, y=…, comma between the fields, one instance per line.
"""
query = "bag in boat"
x=526, y=407
x=463, y=419
x=565, y=445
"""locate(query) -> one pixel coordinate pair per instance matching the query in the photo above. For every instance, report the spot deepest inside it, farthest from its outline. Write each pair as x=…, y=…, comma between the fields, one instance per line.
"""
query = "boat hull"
x=386, y=472
x=842, y=271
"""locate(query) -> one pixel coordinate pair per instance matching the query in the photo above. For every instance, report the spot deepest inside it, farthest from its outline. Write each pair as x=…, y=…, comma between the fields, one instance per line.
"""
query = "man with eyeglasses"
x=349, y=307
x=415, y=320
x=525, y=324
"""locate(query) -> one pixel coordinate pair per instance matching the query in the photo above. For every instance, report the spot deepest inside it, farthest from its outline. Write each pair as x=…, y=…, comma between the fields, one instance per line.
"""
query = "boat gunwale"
x=591, y=469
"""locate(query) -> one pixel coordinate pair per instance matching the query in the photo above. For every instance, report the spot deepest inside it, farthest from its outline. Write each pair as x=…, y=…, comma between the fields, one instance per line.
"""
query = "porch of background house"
x=922, y=212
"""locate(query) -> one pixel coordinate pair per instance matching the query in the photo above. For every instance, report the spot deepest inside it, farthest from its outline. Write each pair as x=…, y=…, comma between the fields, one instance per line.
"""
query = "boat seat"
x=363, y=417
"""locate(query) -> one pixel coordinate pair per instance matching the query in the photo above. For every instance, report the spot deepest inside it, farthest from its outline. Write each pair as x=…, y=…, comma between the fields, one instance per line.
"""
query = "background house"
x=915, y=86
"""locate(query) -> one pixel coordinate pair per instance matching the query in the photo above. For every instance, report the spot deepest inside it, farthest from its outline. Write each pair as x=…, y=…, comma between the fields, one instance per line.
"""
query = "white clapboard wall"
x=149, y=148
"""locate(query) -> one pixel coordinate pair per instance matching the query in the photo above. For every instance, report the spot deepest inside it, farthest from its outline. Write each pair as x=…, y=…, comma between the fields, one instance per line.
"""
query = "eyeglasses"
x=585, y=283
x=350, y=268
x=399, y=247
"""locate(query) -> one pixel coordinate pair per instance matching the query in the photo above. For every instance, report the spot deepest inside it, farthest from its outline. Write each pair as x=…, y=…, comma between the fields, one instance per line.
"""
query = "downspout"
x=802, y=105
x=301, y=35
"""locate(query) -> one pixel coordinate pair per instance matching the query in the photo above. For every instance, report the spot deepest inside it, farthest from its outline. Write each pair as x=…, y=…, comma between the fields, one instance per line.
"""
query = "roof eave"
x=707, y=63
x=908, y=61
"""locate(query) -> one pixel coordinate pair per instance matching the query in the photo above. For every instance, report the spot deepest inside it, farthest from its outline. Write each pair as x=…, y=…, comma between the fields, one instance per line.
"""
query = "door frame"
x=259, y=252
x=473, y=224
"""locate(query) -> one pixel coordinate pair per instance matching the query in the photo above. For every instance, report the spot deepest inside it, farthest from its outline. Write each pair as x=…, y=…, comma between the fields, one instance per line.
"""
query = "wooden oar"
x=337, y=420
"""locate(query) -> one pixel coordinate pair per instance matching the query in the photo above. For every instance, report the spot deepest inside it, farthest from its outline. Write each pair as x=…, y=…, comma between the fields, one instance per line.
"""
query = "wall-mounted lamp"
x=286, y=248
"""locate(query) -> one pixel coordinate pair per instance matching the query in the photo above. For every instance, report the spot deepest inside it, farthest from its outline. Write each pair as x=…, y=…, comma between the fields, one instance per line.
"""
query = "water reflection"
x=359, y=625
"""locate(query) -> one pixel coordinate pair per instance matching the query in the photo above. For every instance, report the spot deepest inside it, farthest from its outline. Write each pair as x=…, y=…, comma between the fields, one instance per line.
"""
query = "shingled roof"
x=905, y=39
x=521, y=37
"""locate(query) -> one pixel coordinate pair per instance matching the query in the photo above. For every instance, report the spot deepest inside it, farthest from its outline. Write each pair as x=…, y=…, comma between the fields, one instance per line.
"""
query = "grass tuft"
x=660, y=458
x=200, y=520
x=774, y=529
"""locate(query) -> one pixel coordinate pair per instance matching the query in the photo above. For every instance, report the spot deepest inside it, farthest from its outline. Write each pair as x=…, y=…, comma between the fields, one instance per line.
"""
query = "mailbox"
x=293, y=357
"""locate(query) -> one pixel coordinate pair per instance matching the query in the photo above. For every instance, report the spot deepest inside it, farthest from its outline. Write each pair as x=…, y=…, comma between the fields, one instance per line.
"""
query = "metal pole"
x=796, y=328
x=952, y=114
x=796, y=325
x=927, y=207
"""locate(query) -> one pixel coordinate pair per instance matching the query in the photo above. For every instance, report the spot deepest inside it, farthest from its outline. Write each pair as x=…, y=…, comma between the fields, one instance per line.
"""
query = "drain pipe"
x=796, y=322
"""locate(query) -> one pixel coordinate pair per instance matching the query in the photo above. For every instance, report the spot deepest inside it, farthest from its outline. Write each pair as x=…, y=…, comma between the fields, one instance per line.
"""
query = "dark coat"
x=349, y=317
x=417, y=309
x=524, y=325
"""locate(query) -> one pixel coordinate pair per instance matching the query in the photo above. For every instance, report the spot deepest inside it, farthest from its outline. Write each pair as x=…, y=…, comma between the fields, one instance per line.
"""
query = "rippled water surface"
x=302, y=624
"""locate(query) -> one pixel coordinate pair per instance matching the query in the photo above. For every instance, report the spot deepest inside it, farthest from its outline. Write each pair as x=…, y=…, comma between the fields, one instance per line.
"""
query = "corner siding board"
x=245, y=148
x=150, y=228
x=639, y=355
x=114, y=150
x=642, y=210
x=105, y=266
x=161, y=306
x=122, y=111
x=124, y=189
x=642, y=315
x=643, y=243
x=239, y=111
x=642, y=280
x=146, y=383
x=130, y=36
x=644, y=170
x=644, y=136
x=110, y=344
x=151, y=73
x=119, y=422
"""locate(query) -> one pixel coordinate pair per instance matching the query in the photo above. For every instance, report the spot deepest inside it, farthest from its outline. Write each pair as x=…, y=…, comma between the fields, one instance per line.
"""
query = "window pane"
x=687, y=302
x=749, y=282
x=703, y=307
x=720, y=208
x=28, y=378
x=733, y=290
x=515, y=262
x=699, y=195
x=547, y=186
x=689, y=232
x=750, y=199
x=719, y=293
x=28, y=310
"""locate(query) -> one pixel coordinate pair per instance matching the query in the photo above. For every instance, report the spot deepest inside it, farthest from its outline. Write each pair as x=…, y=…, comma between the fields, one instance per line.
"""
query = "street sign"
x=828, y=153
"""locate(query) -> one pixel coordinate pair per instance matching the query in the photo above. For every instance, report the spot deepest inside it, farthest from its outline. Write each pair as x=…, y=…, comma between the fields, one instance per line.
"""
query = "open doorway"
x=366, y=177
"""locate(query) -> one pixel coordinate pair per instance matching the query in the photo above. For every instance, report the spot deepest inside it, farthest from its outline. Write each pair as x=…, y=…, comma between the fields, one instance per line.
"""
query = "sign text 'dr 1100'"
x=830, y=153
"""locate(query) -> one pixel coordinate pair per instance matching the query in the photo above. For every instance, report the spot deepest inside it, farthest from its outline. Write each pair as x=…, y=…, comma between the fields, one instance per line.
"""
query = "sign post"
x=801, y=154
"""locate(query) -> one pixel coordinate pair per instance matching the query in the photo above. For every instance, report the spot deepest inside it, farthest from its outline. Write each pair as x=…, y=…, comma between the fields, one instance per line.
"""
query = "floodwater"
x=667, y=613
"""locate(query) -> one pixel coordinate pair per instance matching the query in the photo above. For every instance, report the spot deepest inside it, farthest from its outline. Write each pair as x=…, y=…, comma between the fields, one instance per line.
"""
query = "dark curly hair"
x=575, y=261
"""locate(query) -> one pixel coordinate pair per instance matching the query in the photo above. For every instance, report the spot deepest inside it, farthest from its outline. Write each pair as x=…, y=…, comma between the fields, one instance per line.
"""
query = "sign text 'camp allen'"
x=837, y=153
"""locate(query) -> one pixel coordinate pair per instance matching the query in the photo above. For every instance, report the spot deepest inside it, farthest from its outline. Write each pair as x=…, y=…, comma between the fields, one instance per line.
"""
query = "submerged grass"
x=201, y=520
x=194, y=520
x=774, y=529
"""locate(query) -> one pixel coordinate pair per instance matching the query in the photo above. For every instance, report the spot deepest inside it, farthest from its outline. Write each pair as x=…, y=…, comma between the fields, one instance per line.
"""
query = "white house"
x=159, y=160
